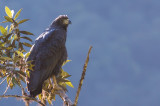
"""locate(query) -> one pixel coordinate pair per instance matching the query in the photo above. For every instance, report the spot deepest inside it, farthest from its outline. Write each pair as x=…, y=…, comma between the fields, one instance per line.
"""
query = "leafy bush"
x=13, y=67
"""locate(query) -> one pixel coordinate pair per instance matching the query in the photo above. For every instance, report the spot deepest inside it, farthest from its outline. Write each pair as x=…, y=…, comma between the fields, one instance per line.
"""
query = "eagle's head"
x=61, y=21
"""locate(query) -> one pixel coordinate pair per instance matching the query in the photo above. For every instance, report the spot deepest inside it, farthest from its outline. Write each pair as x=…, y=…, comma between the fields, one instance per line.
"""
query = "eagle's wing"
x=38, y=43
x=45, y=54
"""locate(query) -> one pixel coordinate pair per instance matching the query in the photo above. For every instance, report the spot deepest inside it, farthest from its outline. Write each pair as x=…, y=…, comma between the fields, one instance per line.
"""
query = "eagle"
x=48, y=54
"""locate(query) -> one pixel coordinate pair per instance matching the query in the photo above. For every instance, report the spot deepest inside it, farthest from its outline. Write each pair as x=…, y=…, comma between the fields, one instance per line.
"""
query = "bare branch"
x=24, y=94
x=7, y=87
x=65, y=98
x=82, y=77
x=43, y=97
x=3, y=80
x=22, y=97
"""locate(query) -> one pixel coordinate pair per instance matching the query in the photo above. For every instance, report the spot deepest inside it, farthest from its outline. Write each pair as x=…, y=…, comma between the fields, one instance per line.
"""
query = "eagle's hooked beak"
x=69, y=21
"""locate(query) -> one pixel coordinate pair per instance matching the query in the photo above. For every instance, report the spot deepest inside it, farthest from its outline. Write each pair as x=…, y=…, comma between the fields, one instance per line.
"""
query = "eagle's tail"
x=36, y=92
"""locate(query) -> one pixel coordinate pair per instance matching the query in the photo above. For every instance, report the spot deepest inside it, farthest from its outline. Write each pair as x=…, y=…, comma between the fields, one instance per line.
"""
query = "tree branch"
x=7, y=86
x=82, y=77
x=3, y=80
x=65, y=98
x=22, y=97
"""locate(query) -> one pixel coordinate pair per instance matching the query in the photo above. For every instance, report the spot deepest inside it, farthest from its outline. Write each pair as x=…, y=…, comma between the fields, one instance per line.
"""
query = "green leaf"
x=69, y=84
x=17, y=32
x=21, y=73
x=11, y=84
x=27, y=44
x=9, y=48
x=20, y=53
x=62, y=80
x=49, y=101
x=63, y=73
x=4, y=22
x=6, y=28
x=11, y=28
x=5, y=58
x=66, y=76
x=8, y=19
x=20, y=46
x=40, y=96
x=8, y=11
x=16, y=59
x=26, y=32
x=27, y=38
x=29, y=62
x=27, y=54
x=30, y=67
x=66, y=62
x=1, y=62
x=17, y=14
x=13, y=38
x=22, y=78
x=17, y=82
x=63, y=85
x=0, y=75
x=4, y=72
x=7, y=36
x=8, y=79
x=22, y=21
x=54, y=97
x=28, y=73
x=3, y=30
x=13, y=56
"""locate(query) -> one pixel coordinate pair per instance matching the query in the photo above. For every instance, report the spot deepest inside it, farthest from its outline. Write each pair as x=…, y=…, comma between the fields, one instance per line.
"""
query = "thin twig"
x=61, y=93
x=7, y=87
x=3, y=80
x=24, y=94
x=43, y=100
x=64, y=97
x=22, y=97
x=82, y=77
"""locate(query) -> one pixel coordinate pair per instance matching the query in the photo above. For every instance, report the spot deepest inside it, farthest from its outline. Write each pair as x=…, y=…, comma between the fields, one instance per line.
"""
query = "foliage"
x=13, y=67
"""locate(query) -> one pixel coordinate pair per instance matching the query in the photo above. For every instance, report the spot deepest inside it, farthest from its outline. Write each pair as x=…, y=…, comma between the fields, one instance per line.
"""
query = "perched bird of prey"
x=48, y=54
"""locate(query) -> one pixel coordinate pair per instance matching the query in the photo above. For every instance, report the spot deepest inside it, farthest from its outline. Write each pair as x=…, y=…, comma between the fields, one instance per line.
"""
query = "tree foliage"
x=13, y=68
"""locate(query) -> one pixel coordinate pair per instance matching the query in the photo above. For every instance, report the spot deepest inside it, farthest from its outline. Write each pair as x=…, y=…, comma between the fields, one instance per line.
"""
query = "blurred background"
x=124, y=67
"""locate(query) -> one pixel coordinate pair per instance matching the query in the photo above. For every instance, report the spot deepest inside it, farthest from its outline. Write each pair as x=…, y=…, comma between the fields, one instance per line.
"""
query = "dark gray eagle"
x=48, y=54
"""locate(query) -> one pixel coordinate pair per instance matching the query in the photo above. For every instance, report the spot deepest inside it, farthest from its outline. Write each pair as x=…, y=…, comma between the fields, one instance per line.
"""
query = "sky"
x=124, y=66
